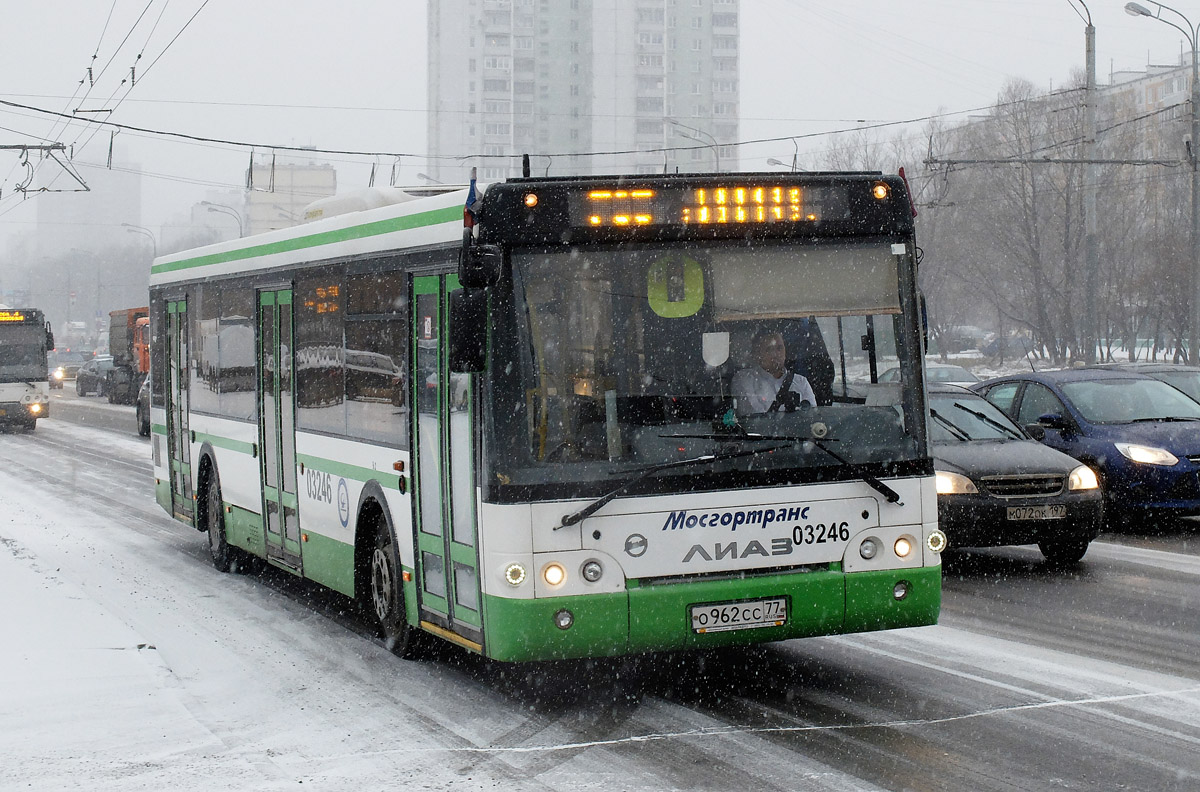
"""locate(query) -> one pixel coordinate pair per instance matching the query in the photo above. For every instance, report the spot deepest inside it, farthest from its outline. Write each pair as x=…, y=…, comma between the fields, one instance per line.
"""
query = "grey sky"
x=352, y=76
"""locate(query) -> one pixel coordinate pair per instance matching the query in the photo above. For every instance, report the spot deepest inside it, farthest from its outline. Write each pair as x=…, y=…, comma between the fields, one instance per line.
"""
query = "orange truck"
x=129, y=345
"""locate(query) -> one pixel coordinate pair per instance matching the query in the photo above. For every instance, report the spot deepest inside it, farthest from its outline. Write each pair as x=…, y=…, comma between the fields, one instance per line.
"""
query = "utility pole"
x=1091, y=242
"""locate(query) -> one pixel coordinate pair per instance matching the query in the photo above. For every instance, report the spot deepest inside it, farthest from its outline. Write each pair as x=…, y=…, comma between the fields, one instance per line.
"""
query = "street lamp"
x=1193, y=35
x=780, y=163
x=223, y=209
x=711, y=142
x=146, y=232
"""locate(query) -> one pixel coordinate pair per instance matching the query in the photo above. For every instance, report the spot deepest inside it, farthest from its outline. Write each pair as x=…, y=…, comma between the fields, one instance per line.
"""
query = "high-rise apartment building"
x=654, y=83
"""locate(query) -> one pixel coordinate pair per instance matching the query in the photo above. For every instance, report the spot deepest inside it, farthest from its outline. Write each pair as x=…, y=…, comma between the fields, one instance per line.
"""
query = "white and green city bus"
x=522, y=437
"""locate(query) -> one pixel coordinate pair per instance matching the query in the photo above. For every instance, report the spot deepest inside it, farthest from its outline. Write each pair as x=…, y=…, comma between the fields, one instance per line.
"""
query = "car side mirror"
x=1055, y=421
x=1036, y=431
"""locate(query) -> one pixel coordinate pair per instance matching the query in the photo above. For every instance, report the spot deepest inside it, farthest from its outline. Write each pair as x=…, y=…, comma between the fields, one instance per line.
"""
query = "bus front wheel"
x=387, y=594
x=214, y=523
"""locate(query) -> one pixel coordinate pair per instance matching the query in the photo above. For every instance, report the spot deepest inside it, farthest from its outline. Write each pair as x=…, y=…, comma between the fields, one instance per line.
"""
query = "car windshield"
x=966, y=417
x=949, y=374
x=1128, y=400
x=1186, y=381
x=630, y=359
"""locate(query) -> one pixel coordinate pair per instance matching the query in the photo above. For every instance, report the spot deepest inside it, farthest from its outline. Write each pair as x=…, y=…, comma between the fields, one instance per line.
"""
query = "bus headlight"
x=903, y=547
x=1083, y=478
x=514, y=574
x=936, y=541
x=35, y=408
x=591, y=571
x=554, y=574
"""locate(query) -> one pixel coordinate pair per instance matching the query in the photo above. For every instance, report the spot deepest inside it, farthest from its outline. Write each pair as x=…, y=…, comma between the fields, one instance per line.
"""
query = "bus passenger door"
x=179, y=446
x=444, y=469
x=277, y=429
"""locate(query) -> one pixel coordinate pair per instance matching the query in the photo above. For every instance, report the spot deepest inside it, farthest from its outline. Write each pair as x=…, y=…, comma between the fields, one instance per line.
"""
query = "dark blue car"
x=1141, y=435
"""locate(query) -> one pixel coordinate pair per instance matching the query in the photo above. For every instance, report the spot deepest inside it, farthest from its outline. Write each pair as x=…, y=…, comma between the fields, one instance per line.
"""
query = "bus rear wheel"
x=387, y=594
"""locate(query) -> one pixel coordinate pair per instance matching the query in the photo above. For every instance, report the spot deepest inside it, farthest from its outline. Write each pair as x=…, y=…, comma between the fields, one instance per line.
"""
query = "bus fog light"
x=564, y=619
x=903, y=547
x=554, y=575
x=868, y=549
x=900, y=590
x=514, y=574
x=936, y=541
x=591, y=571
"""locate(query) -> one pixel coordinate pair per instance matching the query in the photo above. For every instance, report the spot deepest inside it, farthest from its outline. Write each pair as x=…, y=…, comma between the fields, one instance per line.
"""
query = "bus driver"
x=763, y=387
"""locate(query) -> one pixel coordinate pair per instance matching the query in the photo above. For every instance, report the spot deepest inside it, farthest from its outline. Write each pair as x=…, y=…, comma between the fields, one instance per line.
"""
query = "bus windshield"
x=635, y=357
x=22, y=353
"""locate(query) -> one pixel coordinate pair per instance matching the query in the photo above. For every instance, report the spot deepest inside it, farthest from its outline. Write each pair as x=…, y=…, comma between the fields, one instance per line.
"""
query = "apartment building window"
x=471, y=65
x=497, y=40
x=649, y=83
x=654, y=61
x=697, y=88
x=724, y=20
x=523, y=88
x=495, y=85
x=697, y=23
x=523, y=42
x=494, y=107
x=649, y=127
x=697, y=45
x=650, y=39
x=523, y=64
x=493, y=151
x=724, y=42
x=650, y=15
x=497, y=129
x=725, y=64
x=649, y=104
x=497, y=62
x=574, y=90
x=724, y=109
x=724, y=86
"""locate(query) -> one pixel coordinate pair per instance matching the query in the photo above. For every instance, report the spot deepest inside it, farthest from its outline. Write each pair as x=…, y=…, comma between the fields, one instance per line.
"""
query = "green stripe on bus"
x=224, y=442
x=349, y=471
x=430, y=218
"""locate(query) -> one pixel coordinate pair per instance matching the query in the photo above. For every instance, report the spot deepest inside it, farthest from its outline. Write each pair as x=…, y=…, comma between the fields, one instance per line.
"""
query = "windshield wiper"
x=1165, y=419
x=987, y=419
x=889, y=494
x=952, y=427
x=593, y=507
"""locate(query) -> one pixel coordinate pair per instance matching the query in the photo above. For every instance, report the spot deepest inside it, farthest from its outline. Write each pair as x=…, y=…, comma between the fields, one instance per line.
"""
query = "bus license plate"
x=1044, y=512
x=722, y=617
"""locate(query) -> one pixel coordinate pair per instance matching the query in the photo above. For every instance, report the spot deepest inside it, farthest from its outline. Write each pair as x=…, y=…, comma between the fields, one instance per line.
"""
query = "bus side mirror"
x=468, y=330
x=479, y=266
x=924, y=322
x=49, y=338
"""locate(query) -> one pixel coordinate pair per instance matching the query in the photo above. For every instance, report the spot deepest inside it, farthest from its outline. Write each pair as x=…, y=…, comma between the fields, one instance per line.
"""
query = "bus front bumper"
x=652, y=618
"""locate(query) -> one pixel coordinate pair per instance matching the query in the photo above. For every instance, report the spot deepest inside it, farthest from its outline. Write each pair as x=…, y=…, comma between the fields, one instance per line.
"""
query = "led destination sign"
x=730, y=203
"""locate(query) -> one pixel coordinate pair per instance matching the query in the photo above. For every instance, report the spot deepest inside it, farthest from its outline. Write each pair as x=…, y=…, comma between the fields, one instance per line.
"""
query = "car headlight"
x=58, y=373
x=1147, y=455
x=948, y=483
x=1083, y=478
